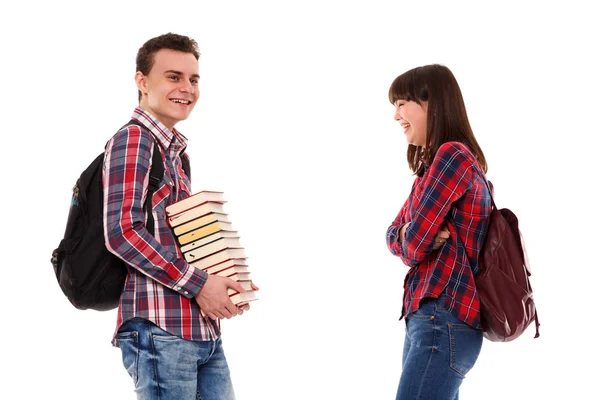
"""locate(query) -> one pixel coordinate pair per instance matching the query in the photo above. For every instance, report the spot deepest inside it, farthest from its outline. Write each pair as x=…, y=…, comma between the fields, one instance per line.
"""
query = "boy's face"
x=170, y=90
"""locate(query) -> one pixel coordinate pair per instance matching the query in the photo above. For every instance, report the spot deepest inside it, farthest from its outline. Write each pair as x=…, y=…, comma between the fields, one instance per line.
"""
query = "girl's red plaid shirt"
x=451, y=193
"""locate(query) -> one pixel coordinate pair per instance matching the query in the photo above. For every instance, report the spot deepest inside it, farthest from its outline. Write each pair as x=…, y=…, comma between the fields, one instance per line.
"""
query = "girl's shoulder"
x=457, y=150
x=455, y=147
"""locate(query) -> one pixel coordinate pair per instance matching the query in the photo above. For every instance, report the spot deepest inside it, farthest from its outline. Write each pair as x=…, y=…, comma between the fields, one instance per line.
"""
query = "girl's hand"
x=441, y=238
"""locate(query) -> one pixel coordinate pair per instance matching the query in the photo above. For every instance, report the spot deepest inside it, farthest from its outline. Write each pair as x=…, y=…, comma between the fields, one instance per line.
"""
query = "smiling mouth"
x=181, y=101
x=405, y=126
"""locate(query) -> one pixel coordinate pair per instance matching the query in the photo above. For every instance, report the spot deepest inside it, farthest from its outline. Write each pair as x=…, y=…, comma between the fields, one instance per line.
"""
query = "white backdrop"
x=294, y=125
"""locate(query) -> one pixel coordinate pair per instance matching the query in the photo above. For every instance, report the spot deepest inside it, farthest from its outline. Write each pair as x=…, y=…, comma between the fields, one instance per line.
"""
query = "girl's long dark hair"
x=446, y=114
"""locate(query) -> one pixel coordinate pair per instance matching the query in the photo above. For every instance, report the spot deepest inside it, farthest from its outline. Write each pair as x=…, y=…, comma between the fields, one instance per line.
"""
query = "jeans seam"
x=212, y=350
x=421, y=317
x=154, y=363
x=136, y=337
x=133, y=336
x=433, y=345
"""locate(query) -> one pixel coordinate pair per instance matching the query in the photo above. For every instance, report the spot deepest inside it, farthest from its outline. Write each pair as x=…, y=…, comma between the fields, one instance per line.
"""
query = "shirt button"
x=185, y=292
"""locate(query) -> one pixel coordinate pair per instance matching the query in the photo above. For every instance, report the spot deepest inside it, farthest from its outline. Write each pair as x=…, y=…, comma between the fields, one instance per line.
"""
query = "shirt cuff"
x=191, y=282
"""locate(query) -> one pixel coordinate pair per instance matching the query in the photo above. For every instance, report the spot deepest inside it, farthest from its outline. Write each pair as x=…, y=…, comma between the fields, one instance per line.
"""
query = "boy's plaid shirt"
x=161, y=285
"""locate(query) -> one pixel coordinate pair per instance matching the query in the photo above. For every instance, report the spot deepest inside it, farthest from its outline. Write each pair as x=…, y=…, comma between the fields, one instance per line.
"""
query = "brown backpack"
x=505, y=293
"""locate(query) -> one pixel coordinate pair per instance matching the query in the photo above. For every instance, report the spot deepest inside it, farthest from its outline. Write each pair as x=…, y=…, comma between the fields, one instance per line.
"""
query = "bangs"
x=408, y=87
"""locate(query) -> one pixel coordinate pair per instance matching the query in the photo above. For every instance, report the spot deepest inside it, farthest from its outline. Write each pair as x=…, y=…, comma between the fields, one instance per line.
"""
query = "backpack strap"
x=157, y=172
x=185, y=164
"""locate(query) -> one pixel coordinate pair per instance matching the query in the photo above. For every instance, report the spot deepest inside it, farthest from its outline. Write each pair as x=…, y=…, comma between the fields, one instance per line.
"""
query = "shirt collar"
x=170, y=139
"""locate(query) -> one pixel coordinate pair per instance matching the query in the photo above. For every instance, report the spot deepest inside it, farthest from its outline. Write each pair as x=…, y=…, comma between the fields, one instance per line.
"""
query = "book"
x=194, y=201
x=208, y=239
x=204, y=231
x=241, y=276
x=224, y=269
x=200, y=222
x=193, y=213
x=219, y=257
x=246, y=285
x=241, y=298
x=236, y=262
x=211, y=248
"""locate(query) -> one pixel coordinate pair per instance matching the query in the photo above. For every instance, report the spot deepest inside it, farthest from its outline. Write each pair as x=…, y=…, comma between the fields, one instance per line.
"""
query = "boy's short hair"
x=145, y=56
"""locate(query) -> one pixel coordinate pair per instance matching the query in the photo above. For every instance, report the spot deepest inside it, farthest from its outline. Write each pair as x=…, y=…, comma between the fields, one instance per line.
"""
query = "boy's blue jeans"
x=166, y=367
x=439, y=350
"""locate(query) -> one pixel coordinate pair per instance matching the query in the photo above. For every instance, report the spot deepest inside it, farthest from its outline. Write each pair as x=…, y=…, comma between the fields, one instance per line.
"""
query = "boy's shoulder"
x=133, y=133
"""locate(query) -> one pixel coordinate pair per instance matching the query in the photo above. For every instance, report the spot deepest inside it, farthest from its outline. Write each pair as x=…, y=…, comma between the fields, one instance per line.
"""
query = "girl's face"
x=412, y=117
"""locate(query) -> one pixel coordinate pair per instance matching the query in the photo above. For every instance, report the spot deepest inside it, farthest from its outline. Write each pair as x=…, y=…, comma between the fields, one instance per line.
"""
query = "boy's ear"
x=140, y=81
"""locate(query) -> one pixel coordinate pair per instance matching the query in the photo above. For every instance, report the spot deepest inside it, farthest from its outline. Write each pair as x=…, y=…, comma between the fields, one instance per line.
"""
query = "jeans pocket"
x=130, y=350
x=465, y=345
x=425, y=311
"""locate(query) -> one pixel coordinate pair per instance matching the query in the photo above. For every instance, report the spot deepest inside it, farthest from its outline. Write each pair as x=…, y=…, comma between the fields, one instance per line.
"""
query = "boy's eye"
x=173, y=77
x=194, y=81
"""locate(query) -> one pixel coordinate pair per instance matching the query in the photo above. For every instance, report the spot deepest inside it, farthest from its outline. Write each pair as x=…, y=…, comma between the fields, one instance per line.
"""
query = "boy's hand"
x=214, y=300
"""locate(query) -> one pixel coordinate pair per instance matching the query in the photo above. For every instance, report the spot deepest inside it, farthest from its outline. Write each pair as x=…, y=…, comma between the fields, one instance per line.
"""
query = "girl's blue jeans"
x=439, y=350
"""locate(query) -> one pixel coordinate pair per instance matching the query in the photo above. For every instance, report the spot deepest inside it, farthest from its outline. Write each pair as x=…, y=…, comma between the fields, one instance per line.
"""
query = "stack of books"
x=209, y=242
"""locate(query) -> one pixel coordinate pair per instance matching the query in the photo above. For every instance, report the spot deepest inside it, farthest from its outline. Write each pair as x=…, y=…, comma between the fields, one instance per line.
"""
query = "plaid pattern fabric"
x=160, y=286
x=452, y=192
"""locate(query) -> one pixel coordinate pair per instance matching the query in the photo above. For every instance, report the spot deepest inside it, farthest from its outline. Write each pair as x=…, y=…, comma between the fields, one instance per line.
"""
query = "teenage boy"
x=168, y=348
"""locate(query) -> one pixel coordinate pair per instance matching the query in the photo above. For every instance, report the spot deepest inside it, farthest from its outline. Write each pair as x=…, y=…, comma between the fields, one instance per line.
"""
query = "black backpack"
x=89, y=275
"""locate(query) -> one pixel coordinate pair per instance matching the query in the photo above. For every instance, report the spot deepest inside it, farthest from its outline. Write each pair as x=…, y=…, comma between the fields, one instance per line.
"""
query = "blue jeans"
x=439, y=350
x=166, y=367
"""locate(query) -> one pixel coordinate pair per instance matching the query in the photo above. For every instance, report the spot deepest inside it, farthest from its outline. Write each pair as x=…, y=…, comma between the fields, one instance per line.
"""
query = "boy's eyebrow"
x=172, y=71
